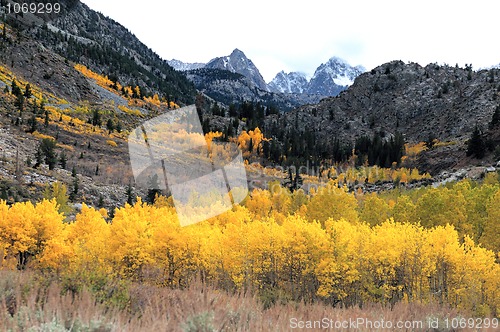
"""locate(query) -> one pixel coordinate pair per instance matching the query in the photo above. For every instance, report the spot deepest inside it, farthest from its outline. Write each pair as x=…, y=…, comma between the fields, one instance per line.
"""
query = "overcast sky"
x=300, y=35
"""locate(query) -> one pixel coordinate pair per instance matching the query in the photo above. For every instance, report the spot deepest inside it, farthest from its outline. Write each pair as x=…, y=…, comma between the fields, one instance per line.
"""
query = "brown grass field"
x=31, y=302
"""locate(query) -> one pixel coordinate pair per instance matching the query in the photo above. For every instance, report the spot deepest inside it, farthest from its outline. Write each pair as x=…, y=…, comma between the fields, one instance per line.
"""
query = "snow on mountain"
x=184, y=66
x=237, y=62
x=329, y=79
x=293, y=82
x=332, y=77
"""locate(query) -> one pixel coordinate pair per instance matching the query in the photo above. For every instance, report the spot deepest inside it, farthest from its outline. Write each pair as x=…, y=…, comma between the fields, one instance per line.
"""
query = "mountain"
x=184, y=66
x=332, y=77
x=237, y=62
x=227, y=87
x=441, y=102
x=329, y=79
x=84, y=36
x=293, y=82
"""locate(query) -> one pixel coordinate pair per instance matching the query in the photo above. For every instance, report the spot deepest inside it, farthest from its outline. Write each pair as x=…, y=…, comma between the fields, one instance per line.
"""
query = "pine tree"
x=76, y=187
x=32, y=123
x=4, y=195
x=154, y=189
x=110, y=126
x=495, y=119
x=27, y=92
x=19, y=103
x=100, y=203
x=38, y=157
x=48, y=147
x=63, y=159
x=476, y=146
x=16, y=90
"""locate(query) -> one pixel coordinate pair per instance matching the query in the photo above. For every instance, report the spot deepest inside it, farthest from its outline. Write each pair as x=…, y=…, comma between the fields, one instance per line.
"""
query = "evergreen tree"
x=110, y=126
x=95, y=120
x=16, y=90
x=63, y=159
x=27, y=92
x=19, y=103
x=476, y=146
x=154, y=189
x=4, y=195
x=100, y=203
x=76, y=187
x=38, y=157
x=46, y=121
x=495, y=119
x=48, y=147
x=32, y=123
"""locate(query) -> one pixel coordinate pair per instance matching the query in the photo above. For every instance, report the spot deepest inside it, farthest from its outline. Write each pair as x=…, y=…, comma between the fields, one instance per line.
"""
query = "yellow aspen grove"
x=130, y=240
x=332, y=202
x=18, y=233
x=375, y=210
x=491, y=235
x=327, y=246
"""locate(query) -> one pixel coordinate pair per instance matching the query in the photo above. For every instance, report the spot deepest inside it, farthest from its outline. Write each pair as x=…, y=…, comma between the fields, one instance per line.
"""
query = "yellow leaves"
x=17, y=229
x=306, y=245
x=28, y=228
x=209, y=137
x=412, y=150
x=130, y=239
x=491, y=234
x=111, y=143
x=130, y=111
x=332, y=202
x=103, y=81
x=259, y=203
x=250, y=142
x=42, y=136
x=375, y=210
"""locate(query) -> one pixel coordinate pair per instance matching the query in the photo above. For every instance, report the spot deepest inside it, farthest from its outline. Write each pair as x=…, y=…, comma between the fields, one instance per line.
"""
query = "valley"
x=372, y=192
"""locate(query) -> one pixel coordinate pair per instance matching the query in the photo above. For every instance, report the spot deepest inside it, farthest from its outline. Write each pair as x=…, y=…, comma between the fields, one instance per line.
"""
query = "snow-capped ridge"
x=185, y=66
x=293, y=82
x=329, y=79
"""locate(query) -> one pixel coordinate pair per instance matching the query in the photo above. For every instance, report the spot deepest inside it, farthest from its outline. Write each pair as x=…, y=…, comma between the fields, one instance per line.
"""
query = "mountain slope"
x=332, y=77
x=293, y=82
x=237, y=62
x=87, y=37
x=442, y=102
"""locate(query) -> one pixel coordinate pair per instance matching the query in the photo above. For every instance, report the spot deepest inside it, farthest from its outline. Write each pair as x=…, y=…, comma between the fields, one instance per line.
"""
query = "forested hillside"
x=381, y=202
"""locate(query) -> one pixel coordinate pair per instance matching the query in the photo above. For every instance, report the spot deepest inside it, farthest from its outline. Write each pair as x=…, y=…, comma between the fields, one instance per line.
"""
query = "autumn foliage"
x=425, y=246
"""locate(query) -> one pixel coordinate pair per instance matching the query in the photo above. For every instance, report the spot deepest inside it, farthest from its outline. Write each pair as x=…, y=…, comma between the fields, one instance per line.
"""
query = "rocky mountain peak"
x=237, y=62
x=293, y=82
x=332, y=77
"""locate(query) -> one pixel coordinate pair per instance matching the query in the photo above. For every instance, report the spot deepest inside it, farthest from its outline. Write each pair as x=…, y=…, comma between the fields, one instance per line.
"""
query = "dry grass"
x=29, y=302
